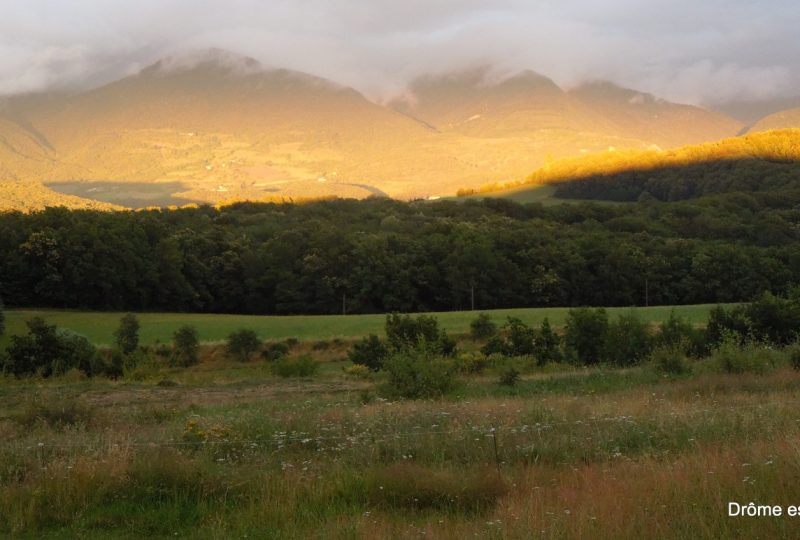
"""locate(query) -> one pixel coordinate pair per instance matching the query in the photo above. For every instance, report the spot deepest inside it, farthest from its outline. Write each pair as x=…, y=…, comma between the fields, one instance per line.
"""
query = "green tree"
x=482, y=327
x=519, y=338
x=47, y=351
x=127, y=334
x=369, y=352
x=547, y=344
x=628, y=340
x=185, y=346
x=585, y=334
x=242, y=344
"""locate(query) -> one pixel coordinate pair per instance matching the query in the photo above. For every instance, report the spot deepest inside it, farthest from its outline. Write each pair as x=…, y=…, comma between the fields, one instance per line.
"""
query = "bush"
x=406, y=332
x=731, y=357
x=357, y=371
x=127, y=334
x=369, y=352
x=415, y=375
x=242, y=344
x=185, y=346
x=482, y=327
x=519, y=338
x=723, y=323
x=670, y=360
x=2, y=318
x=627, y=340
x=546, y=345
x=47, y=351
x=516, y=339
x=275, y=351
x=585, y=334
x=471, y=363
x=300, y=367
x=676, y=332
x=410, y=486
x=509, y=377
x=773, y=319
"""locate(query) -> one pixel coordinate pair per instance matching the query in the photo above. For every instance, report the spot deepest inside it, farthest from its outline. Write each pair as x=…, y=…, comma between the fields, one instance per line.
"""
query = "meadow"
x=159, y=327
x=229, y=450
x=251, y=447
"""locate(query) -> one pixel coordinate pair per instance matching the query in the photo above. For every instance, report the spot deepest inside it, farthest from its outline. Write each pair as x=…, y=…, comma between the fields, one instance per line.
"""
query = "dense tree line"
x=388, y=256
x=682, y=182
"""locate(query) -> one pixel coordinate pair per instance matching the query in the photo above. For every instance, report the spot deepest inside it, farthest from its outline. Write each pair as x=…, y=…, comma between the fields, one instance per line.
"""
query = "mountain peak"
x=609, y=91
x=212, y=59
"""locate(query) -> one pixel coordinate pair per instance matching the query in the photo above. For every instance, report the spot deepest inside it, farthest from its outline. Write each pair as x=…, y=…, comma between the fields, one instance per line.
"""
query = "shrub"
x=2, y=318
x=141, y=365
x=722, y=323
x=126, y=335
x=482, y=327
x=585, y=334
x=676, y=332
x=471, y=363
x=357, y=371
x=627, y=340
x=185, y=346
x=509, y=377
x=773, y=319
x=242, y=344
x=299, y=367
x=415, y=375
x=546, y=344
x=406, y=332
x=47, y=351
x=519, y=338
x=495, y=345
x=275, y=351
x=516, y=339
x=670, y=360
x=369, y=352
x=731, y=357
x=410, y=486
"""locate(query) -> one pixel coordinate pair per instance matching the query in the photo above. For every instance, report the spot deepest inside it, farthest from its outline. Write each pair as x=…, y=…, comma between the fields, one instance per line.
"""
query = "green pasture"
x=99, y=326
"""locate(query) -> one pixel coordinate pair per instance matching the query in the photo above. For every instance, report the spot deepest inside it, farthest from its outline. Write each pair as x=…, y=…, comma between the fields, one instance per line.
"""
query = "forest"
x=380, y=255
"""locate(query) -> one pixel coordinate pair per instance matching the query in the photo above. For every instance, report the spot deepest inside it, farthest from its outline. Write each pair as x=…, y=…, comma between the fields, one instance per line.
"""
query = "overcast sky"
x=685, y=50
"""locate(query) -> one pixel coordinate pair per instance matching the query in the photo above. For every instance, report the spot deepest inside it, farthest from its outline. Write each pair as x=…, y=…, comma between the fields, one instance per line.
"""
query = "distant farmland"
x=99, y=326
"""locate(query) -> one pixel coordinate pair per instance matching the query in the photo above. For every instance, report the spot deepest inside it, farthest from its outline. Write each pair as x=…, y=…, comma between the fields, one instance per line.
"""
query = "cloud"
x=682, y=50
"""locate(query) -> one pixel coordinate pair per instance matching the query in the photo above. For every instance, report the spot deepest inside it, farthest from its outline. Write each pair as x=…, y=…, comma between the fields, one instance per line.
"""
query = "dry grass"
x=237, y=451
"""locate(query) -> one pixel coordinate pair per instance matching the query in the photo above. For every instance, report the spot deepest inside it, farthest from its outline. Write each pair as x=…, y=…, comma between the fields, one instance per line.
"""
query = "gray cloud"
x=709, y=51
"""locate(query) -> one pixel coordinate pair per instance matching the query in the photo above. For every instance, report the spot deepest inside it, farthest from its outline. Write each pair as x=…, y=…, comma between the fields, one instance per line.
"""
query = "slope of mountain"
x=645, y=117
x=783, y=119
x=751, y=111
x=757, y=162
x=217, y=127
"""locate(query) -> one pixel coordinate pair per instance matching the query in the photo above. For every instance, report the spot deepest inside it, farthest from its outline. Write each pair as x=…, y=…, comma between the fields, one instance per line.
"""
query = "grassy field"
x=99, y=327
x=228, y=450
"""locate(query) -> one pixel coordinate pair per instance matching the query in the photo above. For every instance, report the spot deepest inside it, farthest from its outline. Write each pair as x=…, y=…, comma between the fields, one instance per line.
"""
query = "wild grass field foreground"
x=604, y=428
x=229, y=450
x=99, y=327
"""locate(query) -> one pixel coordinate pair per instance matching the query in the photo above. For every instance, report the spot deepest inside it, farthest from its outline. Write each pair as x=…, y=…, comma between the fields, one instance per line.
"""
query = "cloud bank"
x=695, y=52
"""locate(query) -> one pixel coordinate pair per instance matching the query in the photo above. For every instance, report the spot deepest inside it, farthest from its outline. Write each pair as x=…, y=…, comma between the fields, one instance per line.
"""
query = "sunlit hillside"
x=784, y=119
x=758, y=160
x=217, y=127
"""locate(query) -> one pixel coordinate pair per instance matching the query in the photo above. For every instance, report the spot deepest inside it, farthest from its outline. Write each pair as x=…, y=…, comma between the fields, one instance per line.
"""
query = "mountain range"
x=216, y=127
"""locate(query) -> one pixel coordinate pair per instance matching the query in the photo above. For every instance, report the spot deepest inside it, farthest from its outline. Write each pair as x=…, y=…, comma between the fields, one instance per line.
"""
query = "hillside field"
x=99, y=327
